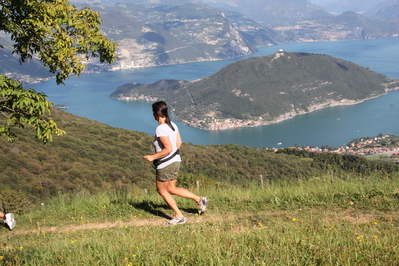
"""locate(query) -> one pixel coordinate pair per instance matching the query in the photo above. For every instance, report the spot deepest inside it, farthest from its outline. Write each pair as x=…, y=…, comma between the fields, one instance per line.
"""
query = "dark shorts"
x=168, y=173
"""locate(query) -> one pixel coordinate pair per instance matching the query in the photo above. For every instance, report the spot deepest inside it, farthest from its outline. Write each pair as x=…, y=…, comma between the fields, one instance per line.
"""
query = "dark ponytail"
x=161, y=109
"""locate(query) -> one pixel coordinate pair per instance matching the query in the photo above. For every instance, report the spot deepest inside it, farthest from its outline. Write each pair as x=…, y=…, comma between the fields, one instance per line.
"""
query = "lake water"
x=87, y=96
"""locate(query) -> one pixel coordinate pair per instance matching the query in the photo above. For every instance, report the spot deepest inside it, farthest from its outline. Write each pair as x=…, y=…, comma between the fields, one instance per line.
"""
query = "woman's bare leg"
x=168, y=188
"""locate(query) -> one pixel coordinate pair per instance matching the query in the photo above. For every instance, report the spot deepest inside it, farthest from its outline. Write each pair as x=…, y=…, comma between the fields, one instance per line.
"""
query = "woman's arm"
x=167, y=148
x=178, y=141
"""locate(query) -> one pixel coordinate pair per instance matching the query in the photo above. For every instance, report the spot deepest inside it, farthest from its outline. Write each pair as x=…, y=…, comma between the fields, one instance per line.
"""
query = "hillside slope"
x=272, y=12
x=32, y=70
x=385, y=10
x=347, y=26
x=262, y=90
x=94, y=156
x=151, y=35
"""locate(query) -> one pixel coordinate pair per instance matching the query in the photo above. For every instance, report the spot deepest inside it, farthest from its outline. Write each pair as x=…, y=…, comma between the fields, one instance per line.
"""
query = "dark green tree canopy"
x=61, y=36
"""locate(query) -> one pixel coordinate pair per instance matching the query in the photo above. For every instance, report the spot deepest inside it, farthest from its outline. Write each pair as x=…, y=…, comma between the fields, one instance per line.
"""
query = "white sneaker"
x=9, y=221
x=177, y=220
x=203, y=204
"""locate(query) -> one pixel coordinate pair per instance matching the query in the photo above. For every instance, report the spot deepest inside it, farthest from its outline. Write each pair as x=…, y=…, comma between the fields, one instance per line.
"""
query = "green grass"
x=323, y=221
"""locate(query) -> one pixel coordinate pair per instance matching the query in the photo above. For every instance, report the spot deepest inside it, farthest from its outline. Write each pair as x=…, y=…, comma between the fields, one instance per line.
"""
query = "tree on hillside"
x=61, y=36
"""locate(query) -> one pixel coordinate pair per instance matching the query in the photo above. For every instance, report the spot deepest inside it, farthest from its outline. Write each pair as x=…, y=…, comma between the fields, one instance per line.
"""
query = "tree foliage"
x=61, y=36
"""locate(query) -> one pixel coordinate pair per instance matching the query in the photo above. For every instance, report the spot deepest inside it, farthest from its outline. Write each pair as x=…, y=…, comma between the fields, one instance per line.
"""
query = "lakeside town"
x=379, y=145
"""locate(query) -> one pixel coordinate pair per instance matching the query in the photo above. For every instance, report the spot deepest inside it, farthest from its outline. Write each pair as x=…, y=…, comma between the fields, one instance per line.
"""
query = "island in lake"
x=263, y=90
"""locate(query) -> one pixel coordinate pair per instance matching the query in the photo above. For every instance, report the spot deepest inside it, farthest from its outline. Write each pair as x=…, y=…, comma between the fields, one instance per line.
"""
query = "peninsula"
x=263, y=90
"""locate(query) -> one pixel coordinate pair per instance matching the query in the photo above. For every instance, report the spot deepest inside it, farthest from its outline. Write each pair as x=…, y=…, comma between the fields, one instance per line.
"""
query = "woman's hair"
x=161, y=109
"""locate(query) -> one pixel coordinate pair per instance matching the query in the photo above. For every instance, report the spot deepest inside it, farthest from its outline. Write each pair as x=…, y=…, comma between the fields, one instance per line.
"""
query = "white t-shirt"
x=164, y=130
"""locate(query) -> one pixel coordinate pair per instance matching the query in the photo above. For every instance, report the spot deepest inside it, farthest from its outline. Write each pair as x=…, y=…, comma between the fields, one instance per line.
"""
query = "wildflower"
x=375, y=236
x=21, y=248
x=294, y=219
x=375, y=223
x=1, y=257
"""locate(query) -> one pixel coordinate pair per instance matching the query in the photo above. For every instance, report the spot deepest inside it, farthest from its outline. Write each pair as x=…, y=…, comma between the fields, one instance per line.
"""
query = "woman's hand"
x=167, y=148
x=149, y=158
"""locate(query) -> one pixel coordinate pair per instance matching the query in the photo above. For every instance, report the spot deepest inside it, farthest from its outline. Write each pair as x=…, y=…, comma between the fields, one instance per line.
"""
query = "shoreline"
x=233, y=123
x=215, y=124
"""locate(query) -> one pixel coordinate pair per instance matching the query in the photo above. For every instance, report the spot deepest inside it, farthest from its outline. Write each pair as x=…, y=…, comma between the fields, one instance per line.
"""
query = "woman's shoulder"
x=166, y=127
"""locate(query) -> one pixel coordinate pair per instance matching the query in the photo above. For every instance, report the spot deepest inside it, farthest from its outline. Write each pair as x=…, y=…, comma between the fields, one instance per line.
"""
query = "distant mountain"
x=271, y=12
x=337, y=7
x=347, y=26
x=180, y=31
x=386, y=10
x=26, y=72
x=262, y=90
x=136, y=2
x=265, y=12
x=151, y=35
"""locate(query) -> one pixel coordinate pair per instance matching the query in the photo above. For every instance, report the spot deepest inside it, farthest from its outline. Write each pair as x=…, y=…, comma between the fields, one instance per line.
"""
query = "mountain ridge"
x=152, y=35
x=175, y=32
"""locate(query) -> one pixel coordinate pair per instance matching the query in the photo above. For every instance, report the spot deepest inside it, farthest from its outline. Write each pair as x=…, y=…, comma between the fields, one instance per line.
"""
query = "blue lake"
x=87, y=96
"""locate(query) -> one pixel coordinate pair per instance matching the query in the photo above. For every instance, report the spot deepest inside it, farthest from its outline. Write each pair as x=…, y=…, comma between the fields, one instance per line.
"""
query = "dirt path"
x=353, y=216
x=98, y=226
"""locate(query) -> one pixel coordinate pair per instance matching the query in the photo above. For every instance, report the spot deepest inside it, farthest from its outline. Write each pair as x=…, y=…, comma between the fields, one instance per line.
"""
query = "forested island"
x=263, y=90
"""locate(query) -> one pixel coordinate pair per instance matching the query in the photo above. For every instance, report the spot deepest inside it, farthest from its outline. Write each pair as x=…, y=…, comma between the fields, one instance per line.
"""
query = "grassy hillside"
x=94, y=157
x=347, y=221
x=87, y=198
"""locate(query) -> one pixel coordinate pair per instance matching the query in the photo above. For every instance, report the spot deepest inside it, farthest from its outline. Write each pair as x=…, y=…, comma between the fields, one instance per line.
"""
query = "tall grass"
x=323, y=221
